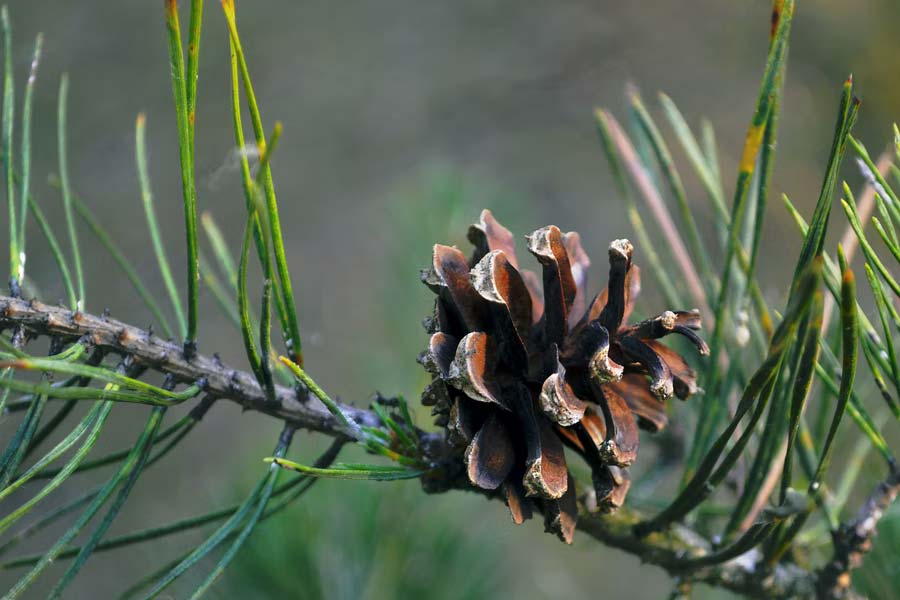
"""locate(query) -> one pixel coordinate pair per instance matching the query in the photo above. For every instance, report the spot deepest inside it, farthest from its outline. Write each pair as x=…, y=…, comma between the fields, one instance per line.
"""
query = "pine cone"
x=522, y=367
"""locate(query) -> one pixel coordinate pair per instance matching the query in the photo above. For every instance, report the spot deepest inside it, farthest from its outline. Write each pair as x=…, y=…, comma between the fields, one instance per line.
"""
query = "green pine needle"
x=158, y=248
x=351, y=471
x=66, y=188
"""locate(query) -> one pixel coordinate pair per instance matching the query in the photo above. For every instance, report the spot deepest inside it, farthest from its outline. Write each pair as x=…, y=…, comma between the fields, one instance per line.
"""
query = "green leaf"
x=884, y=308
x=871, y=349
x=50, y=555
x=131, y=470
x=710, y=412
x=99, y=373
x=193, y=62
x=766, y=166
x=351, y=427
x=66, y=188
x=769, y=445
x=25, y=179
x=695, y=155
x=849, y=206
x=140, y=151
x=710, y=471
x=818, y=225
x=42, y=523
x=889, y=239
x=670, y=172
x=250, y=196
x=811, y=334
x=889, y=214
x=179, y=429
x=850, y=345
x=102, y=413
x=351, y=471
x=243, y=302
x=285, y=494
x=6, y=141
x=604, y=123
x=265, y=320
x=185, y=104
x=292, y=341
x=857, y=412
x=58, y=450
x=15, y=451
x=262, y=490
x=114, y=395
x=756, y=534
x=873, y=172
x=232, y=551
x=402, y=435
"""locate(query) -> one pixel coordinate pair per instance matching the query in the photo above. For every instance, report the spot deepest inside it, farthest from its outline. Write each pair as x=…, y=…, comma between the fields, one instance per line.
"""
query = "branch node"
x=189, y=350
x=14, y=289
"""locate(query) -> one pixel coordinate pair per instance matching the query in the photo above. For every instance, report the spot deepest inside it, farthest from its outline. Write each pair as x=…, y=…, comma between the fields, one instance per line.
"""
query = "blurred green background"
x=402, y=120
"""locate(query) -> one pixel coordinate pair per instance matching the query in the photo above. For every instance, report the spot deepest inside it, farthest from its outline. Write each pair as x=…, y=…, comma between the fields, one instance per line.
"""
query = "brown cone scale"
x=526, y=365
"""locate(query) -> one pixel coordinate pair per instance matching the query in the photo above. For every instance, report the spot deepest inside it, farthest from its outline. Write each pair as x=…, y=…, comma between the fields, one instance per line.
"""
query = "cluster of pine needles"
x=755, y=479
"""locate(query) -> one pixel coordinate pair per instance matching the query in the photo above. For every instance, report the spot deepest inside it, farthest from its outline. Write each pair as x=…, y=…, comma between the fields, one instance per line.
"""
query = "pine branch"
x=679, y=550
x=295, y=406
x=853, y=539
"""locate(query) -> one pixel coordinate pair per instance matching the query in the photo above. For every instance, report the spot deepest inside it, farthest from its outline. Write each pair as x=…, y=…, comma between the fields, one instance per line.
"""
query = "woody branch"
x=674, y=550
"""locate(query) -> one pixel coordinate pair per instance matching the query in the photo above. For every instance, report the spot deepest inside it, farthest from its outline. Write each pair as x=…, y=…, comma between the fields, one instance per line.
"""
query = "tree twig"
x=676, y=549
x=295, y=406
x=853, y=539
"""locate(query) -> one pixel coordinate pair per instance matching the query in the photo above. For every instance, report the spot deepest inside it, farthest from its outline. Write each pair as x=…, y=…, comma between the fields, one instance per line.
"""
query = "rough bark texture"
x=854, y=539
x=299, y=407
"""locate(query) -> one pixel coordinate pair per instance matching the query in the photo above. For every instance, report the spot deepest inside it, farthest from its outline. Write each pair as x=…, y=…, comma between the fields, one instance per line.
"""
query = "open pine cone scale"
x=523, y=365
